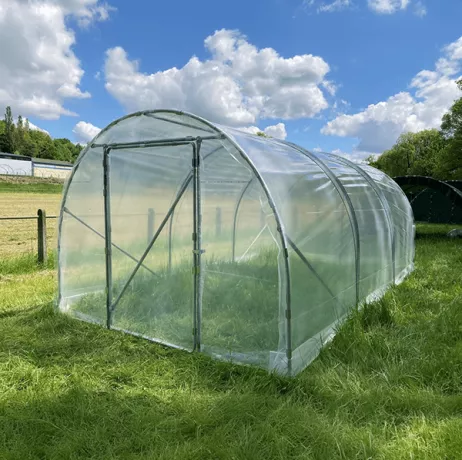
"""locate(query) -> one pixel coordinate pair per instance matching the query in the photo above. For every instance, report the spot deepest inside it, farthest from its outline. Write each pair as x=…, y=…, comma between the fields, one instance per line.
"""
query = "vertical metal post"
x=170, y=225
x=107, y=233
x=218, y=222
x=42, y=236
x=197, y=243
x=151, y=219
x=262, y=218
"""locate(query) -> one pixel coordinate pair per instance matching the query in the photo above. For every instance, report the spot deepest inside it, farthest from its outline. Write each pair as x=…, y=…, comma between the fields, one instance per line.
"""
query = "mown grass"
x=26, y=184
x=388, y=387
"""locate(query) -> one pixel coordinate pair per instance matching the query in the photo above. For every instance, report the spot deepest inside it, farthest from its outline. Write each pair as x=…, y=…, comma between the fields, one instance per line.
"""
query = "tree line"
x=434, y=152
x=20, y=139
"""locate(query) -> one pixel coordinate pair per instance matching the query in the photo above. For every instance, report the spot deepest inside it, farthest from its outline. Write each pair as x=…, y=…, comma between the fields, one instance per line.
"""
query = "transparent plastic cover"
x=247, y=248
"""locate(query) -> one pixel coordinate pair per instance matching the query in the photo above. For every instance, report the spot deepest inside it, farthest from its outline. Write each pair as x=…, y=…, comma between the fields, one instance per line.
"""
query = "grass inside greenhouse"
x=240, y=305
x=388, y=386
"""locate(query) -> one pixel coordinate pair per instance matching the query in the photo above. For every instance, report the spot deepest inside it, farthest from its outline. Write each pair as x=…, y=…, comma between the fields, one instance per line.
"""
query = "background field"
x=23, y=197
x=388, y=387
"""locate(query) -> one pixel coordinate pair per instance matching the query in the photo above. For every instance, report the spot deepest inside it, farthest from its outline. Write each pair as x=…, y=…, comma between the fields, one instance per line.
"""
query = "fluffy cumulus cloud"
x=356, y=156
x=277, y=131
x=84, y=132
x=431, y=94
x=238, y=85
x=84, y=11
x=38, y=68
x=387, y=6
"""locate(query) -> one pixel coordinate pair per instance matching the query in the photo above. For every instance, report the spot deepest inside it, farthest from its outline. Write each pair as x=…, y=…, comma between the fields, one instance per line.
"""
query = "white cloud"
x=336, y=5
x=420, y=9
x=37, y=128
x=85, y=132
x=277, y=131
x=387, y=6
x=357, y=156
x=238, y=85
x=84, y=11
x=431, y=95
x=377, y=6
x=38, y=68
x=32, y=126
x=330, y=87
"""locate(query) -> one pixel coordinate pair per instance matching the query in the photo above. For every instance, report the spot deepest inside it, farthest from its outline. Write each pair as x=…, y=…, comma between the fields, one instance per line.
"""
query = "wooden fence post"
x=42, y=236
x=151, y=218
x=218, y=222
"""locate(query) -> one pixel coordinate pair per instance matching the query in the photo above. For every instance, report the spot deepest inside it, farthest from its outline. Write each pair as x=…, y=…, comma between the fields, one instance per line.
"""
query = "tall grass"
x=387, y=387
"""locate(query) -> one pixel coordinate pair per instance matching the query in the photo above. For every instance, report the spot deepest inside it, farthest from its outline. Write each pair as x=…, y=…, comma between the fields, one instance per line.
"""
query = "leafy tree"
x=21, y=139
x=66, y=150
x=371, y=161
x=413, y=154
x=19, y=135
x=7, y=139
x=450, y=162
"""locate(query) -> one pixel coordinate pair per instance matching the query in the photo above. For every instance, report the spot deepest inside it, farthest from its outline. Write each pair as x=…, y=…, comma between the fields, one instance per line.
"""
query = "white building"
x=19, y=165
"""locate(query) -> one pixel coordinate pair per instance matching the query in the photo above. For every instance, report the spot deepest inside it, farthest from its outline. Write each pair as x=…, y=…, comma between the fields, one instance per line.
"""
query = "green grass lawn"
x=388, y=386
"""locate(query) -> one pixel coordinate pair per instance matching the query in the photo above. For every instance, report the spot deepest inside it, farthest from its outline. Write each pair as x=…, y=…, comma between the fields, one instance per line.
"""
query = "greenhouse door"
x=155, y=265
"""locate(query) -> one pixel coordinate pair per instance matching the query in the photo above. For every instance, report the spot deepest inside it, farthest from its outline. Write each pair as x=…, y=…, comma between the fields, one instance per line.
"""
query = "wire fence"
x=37, y=234
x=21, y=235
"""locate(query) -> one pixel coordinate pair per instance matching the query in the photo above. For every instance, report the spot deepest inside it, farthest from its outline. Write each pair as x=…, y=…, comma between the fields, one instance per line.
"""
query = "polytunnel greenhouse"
x=210, y=239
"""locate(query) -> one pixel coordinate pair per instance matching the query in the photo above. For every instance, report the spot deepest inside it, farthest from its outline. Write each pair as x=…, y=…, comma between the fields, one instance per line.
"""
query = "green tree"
x=413, y=154
x=44, y=146
x=19, y=136
x=7, y=139
x=371, y=160
x=66, y=150
x=32, y=142
x=450, y=162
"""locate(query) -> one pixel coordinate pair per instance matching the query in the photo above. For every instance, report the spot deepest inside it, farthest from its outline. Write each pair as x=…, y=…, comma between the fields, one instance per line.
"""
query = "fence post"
x=218, y=222
x=151, y=218
x=42, y=236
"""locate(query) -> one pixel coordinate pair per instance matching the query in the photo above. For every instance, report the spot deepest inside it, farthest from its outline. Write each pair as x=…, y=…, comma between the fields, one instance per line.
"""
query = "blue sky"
x=61, y=75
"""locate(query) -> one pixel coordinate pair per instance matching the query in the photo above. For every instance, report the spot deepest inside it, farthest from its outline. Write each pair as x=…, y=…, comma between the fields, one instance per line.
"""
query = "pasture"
x=388, y=387
x=23, y=197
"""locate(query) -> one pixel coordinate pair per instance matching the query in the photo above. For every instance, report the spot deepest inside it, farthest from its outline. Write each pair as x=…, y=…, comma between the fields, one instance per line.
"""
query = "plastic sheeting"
x=249, y=249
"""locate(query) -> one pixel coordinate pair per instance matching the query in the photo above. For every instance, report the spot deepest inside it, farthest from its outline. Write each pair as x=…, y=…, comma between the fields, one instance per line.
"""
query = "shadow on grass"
x=388, y=386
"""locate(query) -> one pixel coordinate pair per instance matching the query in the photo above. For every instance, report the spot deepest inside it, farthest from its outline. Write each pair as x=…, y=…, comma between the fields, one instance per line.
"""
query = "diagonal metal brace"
x=78, y=219
x=153, y=240
x=312, y=269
